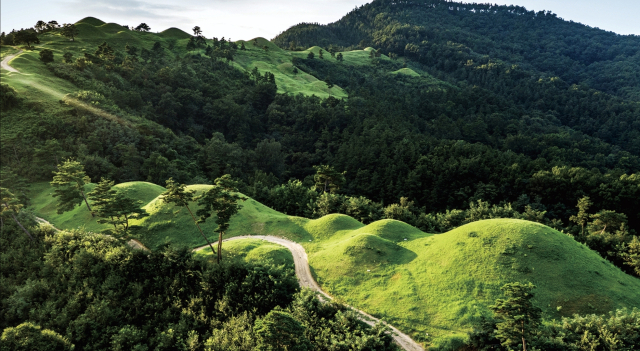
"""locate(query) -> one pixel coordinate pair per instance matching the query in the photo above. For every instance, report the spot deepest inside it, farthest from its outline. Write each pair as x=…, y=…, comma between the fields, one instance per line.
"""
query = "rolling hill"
x=422, y=283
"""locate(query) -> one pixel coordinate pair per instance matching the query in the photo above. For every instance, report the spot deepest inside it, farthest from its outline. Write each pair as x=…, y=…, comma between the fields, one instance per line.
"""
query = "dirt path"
x=303, y=272
x=5, y=63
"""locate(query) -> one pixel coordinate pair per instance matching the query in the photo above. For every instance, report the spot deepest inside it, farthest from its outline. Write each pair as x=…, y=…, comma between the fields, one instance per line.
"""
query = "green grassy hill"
x=278, y=62
x=421, y=283
x=442, y=284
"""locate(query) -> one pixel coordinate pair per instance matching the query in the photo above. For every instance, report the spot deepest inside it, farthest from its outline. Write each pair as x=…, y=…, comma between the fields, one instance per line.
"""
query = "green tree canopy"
x=178, y=195
x=70, y=30
x=222, y=199
x=279, y=331
x=26, y=36
x=327, y=179
x=518, y=317
x=30, y=337
x=69, y=182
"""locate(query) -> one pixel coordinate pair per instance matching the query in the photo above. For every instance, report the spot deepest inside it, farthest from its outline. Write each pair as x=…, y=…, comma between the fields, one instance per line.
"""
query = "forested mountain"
x=448, y=34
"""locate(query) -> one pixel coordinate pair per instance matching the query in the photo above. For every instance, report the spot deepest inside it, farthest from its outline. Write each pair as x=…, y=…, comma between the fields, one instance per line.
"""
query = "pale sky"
x=246, y=19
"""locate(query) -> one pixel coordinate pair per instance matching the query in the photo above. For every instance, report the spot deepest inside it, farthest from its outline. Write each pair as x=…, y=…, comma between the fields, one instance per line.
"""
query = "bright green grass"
x=422, y=283
x=7, y=50
x=407, y=72
x=278, y=62
x=252, y=250
x=44, y=204
x=442, y=284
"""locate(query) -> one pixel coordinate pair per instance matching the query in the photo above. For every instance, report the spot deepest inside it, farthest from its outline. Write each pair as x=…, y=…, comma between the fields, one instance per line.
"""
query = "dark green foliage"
x=222, y=199
x=70, y=31
x=142, y=27
x=29, y=337
x=8, y=97
x=69, y=181
x=67, y=57
x=26, y=36
x=178, y=195
x=46, y=55
x=327, y=179
x=279, y=331
x=518, y=318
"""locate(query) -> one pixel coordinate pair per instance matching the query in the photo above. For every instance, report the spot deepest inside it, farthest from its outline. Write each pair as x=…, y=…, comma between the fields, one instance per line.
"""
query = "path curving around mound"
x=5, y=63
x=303, y=272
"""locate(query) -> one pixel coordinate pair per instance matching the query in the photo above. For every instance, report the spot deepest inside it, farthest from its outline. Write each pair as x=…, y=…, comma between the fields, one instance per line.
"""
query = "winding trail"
x=303, y=272
x=5, y=63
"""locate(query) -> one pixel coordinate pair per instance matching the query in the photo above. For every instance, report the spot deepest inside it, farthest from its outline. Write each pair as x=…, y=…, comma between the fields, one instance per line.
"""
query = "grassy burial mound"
x=277, y=61
x=422, y=283
x=167, y=223
x=442, y=284
x=253, y=250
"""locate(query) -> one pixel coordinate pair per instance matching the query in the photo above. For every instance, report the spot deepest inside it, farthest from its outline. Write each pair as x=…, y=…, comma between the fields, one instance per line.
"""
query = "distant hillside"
x=539, y=41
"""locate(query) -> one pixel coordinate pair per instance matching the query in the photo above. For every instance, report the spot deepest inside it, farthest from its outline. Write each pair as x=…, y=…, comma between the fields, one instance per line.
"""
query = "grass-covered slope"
x=254, y=251
x=421, y=283
x=441, y=284
x=278, y=62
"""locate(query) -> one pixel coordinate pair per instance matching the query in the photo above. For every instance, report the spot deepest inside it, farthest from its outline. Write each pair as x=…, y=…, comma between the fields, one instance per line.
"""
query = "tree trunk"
x=219, y=247
x=524, y=344
x=87, y=202
x=23, y=228
x=200, y=229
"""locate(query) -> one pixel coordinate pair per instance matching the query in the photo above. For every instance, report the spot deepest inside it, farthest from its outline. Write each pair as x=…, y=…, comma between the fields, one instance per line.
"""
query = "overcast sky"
x=246, y=19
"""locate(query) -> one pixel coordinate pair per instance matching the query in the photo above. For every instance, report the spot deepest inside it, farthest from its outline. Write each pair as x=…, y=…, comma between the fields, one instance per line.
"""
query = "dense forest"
x=525, y=115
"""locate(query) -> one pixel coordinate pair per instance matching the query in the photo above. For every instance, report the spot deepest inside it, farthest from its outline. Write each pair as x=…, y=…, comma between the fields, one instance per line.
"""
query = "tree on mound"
x=114, y=207
x=69, y=182
x=519, y=317
x=178, y=195
x=70, y=30
x=142, y=27
x=223, y=200
x=26, y=36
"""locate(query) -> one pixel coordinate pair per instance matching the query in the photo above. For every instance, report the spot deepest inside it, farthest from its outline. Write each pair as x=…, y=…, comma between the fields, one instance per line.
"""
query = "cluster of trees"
x=93, y=292
x=30, y=35
x=517, y=324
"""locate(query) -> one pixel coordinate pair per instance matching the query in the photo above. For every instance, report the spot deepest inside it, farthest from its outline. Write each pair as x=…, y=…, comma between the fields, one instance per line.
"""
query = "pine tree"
x=519, y=318
x=223, y=200
x=69, y=182
x=178, y=195
x=582, y=217
x=11, y=205
x=328, y=179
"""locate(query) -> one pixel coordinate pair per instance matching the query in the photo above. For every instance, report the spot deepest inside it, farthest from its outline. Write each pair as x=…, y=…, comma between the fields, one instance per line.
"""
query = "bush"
x=8, y=97
x=46, y=56
x=28, y=337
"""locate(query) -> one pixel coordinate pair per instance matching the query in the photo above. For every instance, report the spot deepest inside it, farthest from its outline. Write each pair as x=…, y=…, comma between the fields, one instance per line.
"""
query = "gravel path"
x=303, y=272
x=5, y=63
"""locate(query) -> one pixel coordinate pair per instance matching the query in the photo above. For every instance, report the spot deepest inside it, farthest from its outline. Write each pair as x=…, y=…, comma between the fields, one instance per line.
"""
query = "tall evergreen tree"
x=69, y=181
x=178, y=195
x=223, y=200
x=519, y=318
